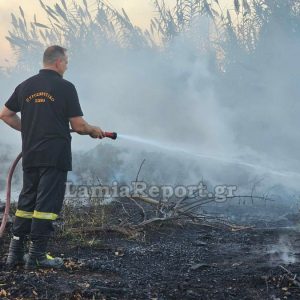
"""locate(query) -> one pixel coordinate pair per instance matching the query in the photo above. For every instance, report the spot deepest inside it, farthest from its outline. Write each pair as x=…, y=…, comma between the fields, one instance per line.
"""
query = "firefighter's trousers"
x=40, y=201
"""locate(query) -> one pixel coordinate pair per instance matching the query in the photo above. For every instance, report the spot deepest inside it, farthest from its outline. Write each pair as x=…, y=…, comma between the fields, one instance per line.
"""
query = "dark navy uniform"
x=46, y=102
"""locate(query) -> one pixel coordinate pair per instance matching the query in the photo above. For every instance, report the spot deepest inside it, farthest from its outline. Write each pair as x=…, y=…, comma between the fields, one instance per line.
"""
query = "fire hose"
x=111, y=135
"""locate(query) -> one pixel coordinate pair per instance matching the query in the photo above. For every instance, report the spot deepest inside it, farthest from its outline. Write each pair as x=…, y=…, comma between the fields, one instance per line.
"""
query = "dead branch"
x=140, y=206
x=146, y=200
x=153, y=220
x=140, y=168
x=186, y=206
x=291, y=276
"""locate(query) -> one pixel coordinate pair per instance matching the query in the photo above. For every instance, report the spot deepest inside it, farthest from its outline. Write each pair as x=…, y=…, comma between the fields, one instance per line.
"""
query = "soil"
x=167, y=261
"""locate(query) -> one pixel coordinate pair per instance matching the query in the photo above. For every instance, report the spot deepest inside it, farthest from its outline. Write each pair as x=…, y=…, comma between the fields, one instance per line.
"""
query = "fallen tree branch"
x=147, y=200
x=153, y=220
x=291, y=277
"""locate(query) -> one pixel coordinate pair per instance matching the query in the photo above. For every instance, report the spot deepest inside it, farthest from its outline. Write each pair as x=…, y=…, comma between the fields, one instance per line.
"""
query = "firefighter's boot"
x=16, y=252
x=38, y=258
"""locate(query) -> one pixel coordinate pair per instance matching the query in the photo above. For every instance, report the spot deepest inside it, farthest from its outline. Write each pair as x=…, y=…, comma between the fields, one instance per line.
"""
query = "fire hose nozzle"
x=111, y=135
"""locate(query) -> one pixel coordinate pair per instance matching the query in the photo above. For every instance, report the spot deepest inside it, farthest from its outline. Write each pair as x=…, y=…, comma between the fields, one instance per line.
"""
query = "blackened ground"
x=165, y=261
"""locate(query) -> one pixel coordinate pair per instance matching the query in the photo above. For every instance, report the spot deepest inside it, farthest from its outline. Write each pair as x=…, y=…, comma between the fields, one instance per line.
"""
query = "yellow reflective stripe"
x=44, y=215
x=24, y=214
x=49, y=257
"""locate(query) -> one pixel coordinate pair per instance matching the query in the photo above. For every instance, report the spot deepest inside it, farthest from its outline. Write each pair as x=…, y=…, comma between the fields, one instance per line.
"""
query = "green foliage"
x=75, y=24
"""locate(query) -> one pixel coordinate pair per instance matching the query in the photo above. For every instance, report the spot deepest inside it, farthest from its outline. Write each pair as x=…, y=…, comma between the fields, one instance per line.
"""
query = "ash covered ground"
x=182, y=259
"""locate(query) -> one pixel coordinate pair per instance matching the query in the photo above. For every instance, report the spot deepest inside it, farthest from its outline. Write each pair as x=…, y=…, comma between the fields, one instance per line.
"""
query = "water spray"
x=218, y=158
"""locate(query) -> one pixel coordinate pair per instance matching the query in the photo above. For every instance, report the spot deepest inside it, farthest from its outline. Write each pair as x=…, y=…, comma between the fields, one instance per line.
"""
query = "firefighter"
x=48, y=104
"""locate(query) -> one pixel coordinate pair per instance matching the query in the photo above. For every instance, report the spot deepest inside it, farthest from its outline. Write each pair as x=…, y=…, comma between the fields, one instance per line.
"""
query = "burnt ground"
x=167, y=261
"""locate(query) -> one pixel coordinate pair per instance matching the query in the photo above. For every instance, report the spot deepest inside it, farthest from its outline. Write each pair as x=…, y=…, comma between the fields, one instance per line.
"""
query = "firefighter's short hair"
x=52, y=53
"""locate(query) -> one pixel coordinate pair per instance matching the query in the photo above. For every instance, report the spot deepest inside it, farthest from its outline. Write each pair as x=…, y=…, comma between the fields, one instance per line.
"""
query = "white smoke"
x=282, y=252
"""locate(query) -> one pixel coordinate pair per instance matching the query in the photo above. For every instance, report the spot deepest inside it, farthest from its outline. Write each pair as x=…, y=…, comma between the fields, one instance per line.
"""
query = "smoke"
x=282, y=252
x=228, y=127
x=180, y=99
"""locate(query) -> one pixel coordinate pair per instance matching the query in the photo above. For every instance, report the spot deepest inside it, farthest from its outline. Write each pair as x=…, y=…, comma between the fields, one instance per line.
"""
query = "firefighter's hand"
x=97, y=133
